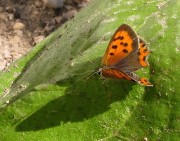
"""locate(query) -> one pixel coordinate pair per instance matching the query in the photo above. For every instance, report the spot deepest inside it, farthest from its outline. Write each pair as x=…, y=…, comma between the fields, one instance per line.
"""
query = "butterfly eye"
x=99, y=72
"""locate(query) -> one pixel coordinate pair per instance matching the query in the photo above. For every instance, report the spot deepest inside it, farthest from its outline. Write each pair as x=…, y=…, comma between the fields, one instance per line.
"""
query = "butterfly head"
x=99, y=72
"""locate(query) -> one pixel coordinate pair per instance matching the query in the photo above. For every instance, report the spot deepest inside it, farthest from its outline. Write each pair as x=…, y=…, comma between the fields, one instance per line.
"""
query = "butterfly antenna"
x=90, y=75
x=92, y=72
x=89, y=59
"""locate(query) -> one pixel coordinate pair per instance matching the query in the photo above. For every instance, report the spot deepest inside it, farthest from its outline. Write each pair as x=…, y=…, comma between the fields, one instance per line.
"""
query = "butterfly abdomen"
x=114, y=73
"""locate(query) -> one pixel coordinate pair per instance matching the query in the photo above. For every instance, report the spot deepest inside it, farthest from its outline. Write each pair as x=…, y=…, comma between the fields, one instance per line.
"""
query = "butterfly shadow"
x=82, y=100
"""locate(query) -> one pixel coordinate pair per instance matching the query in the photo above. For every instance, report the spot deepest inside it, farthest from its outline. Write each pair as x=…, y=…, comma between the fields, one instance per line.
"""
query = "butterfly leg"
x=89, y=59
x=105, y=80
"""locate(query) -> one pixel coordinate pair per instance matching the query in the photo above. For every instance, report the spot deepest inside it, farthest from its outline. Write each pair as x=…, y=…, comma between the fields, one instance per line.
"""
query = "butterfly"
x=125, y=54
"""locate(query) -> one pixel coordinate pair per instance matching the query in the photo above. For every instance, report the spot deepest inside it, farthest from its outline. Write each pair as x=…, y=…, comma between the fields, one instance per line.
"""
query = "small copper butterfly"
x=125, y=54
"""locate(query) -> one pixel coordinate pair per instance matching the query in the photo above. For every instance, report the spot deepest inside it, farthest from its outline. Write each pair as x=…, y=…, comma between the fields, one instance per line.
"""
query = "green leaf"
x=61, y=104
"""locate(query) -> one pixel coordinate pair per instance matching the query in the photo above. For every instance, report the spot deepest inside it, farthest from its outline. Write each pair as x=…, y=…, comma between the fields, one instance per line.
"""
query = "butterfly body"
x=126, y=53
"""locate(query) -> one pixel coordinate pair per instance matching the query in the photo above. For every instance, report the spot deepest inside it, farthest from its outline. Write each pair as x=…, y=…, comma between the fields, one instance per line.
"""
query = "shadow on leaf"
x=81, y=101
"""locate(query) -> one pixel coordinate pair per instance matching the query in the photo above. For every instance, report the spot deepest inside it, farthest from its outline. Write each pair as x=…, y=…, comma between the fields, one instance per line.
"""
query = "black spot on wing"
x=145, y=50
x=125, y=44
x=114, y=46
x=111, y=54
x=125, y=50
x=120, y=37
x=144, y=58
x=142, y=45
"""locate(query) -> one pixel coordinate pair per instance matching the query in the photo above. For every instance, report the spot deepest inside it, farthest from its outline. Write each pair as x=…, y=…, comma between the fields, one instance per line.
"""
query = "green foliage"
x=62, y=105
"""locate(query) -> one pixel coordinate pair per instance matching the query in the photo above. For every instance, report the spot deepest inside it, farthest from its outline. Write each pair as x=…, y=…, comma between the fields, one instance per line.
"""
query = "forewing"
x=123, y=43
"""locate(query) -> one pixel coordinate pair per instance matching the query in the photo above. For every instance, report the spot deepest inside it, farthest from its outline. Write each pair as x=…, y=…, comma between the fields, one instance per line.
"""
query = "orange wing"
x=143, y=53
x=145, y=82
x=123, y=43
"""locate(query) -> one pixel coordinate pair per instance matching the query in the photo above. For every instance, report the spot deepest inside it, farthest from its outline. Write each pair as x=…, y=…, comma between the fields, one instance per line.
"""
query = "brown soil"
x=24, y=23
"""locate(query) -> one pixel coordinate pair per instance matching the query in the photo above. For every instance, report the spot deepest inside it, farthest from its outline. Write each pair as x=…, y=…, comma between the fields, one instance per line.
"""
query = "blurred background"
x=24, y=23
